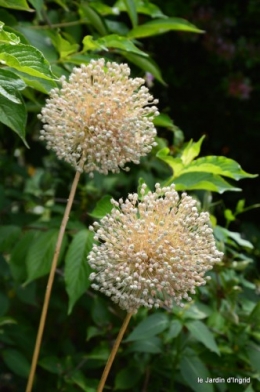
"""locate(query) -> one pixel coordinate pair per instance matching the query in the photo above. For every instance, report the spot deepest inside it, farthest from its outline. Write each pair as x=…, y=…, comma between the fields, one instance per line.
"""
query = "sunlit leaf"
x=26, y=58
x=11, y=38
x=21, y=5
x=160, y=26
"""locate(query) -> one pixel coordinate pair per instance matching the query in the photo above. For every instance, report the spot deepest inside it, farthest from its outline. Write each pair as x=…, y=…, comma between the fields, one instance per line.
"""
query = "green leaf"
x=26, y=58
x=39, y=84
x=119, y=42
x=174, y=330
x=253, y=352
x=16, y=362
x=254, y=317
x=193, y=368
x=15, y=4
x=51, y=364
x=149, y=327
x=90, y=44
x=87, y=12
x=63, y=46
x=160, y=26
x=218, y=165
x=147, y=64
x=7, y=320
x=10, y=84
x=40, y=255
x=102, y=208
x=163, y=120
x=18, y=256
x=152, y=346
x=142, y=7
x=77, y=269
x=8, y=37
x=202, y=333
x=14, y=115
x=191, y=151
x=131, y=10
x=127, y=378
x=225, y=235
x=205, y=181
x=9, y=234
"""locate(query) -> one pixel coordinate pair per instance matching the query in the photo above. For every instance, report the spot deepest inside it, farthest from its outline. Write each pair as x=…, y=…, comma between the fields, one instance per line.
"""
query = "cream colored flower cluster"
x=100, y=119
x=154, y=251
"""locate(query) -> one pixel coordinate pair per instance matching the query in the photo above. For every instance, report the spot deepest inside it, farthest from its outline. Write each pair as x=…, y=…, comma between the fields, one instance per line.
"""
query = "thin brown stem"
x=50, y=283
x=113, y=352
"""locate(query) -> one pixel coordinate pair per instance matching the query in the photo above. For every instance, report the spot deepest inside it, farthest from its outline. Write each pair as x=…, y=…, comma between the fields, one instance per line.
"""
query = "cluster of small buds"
x=154, y=251
x=100, y=119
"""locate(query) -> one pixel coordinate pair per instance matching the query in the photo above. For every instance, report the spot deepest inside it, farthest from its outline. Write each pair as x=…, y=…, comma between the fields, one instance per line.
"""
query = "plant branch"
x=113, y=352
x=50, y=283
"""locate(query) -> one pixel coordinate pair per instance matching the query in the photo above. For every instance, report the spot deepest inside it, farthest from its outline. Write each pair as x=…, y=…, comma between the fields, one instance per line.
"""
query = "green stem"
x=50, y=283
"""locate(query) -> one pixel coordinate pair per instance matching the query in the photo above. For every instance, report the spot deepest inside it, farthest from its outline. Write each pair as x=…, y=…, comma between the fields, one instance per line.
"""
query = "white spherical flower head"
x=100, y=118
x=152, y=252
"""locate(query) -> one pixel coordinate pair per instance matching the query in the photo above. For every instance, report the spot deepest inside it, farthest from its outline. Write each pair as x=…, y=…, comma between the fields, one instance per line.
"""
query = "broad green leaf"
x=14, y=115
x=52, y=364
x=202, y=333
x=104, y=9
x=147, y=64
x=118, y=42
x=224, y=235
x=253, y=352
x=174, y=330
x=152, y=346
x=193, y=368
x=77, y=269
x=10, y=85
x=7, y=320
x=18, y=256
x=163, y=120
x=40, y=255
x=38, y=5
x=90, y=44
x=39, y=84
x=87, y=12
x=15, y=4
x=11, y=38
x=199, y=180
x=131, y=10
x=9, y=234
x=26, y=58
x=127, y=378
x=160, y=26
x=142, y=7
x=254, y=317
x=63, y=46
x=218, y=165
x=16, y=362
x=175, y=164
x=149, y=327
x=77, y=378
x=197, y=311
x=102, y=208
x=191, y=151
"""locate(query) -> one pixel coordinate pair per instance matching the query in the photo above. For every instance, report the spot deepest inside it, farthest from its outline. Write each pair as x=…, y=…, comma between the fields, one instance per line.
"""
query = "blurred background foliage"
x=209, y=85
